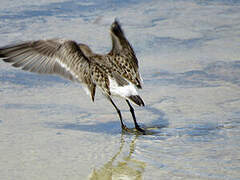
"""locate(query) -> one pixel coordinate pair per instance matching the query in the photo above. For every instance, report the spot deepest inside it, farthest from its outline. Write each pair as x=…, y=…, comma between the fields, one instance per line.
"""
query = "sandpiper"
x=115, y=73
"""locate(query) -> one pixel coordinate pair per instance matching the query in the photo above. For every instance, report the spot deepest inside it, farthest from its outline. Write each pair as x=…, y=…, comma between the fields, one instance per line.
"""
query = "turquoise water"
x=188, y=53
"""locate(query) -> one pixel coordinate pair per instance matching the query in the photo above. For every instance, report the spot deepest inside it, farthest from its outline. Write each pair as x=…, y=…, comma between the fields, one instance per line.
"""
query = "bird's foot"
x=140, y=130
x=125, y=128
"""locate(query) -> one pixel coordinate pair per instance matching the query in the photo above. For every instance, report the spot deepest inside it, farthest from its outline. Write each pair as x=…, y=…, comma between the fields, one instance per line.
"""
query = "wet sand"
x=189, y=58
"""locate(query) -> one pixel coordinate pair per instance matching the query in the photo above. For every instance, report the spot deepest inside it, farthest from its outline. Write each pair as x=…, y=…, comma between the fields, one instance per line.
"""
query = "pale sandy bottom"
x=189, y=58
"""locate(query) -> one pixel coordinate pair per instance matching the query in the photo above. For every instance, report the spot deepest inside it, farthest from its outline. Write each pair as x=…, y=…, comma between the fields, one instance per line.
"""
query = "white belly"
x=123, y=91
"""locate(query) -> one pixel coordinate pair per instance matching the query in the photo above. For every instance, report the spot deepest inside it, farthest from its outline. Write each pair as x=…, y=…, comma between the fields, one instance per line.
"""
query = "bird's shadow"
x=113, y=127
x=103, y=127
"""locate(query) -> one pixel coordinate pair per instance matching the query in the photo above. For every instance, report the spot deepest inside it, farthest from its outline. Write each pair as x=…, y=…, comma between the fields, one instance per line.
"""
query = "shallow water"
x=189, y=58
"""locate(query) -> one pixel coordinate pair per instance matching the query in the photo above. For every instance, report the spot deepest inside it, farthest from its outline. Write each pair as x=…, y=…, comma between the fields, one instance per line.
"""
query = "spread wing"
x=120, y=42
x=55, y=56
x=127, y=60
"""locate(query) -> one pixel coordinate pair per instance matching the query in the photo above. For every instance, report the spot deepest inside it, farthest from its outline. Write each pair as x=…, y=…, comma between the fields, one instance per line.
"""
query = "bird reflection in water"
x=121, y=168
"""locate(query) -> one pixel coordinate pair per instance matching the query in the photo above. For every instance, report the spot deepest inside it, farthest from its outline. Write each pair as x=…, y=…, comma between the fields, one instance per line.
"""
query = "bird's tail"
x=136, y=99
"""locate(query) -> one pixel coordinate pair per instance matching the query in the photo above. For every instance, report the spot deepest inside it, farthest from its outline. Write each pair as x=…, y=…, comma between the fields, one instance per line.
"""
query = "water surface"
x=188, y=53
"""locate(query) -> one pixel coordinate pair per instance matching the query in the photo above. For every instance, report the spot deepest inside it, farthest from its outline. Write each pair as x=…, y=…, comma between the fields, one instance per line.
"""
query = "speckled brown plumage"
x=77, y=62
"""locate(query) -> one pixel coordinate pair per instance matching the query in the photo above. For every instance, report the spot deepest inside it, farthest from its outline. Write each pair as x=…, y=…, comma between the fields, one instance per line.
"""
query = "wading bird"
x=115, y=73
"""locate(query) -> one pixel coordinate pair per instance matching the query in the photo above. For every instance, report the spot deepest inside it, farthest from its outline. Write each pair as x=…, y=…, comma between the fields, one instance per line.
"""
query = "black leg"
x=134, y=118
x=119, y=114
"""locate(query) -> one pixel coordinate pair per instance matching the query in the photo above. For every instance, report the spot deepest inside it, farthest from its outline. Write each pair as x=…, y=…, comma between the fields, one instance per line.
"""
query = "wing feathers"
x=55, y=56
x=77, y=62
